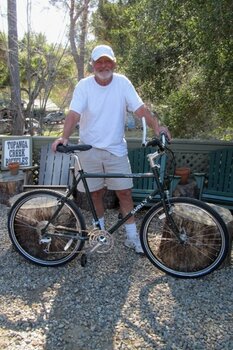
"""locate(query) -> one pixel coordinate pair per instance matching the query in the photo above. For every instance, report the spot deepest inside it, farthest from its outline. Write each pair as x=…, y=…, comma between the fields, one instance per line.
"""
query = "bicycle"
x=183, y=237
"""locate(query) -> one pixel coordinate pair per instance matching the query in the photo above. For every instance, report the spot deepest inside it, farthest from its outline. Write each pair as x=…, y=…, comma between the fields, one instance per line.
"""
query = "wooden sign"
x=16, y=149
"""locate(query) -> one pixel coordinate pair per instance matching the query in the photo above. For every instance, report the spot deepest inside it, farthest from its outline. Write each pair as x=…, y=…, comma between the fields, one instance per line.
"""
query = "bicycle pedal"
x=83, y=260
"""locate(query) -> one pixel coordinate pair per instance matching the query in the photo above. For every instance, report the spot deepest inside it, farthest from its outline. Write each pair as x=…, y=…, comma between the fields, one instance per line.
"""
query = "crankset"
x=100, y=241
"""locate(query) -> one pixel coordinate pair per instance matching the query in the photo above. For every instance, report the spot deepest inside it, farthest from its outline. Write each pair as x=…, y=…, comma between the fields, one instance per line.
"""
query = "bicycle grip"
x=164, y=138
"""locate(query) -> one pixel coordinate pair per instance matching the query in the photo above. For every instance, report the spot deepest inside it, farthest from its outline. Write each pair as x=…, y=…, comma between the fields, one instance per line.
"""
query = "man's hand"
x=164, y=129
x=71, y=121
x=152, y=121
x=61, y=140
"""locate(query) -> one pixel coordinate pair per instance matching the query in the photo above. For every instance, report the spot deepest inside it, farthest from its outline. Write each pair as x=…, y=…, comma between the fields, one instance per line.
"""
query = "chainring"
x=100, y=241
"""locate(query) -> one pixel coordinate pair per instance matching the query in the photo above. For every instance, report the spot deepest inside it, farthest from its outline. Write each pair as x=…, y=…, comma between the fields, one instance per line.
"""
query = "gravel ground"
x=118, y=301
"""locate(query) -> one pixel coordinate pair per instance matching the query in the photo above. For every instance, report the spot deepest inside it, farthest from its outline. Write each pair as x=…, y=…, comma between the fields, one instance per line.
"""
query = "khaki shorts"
x=100, y=161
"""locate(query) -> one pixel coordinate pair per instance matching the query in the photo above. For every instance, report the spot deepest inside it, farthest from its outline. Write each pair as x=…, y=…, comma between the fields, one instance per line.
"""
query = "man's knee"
x=124, y=194
x=97, y=195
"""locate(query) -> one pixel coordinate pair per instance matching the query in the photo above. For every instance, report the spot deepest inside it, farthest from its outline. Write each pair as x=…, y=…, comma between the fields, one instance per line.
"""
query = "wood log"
x=39, y=208
x=186, y=190
x=10, y=185
x=32, y=217
x=174, y=254
x=228, y=219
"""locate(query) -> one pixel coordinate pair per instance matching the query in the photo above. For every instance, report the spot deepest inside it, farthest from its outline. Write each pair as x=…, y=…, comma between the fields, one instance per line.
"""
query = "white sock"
x=131, y=231
x=101, y=221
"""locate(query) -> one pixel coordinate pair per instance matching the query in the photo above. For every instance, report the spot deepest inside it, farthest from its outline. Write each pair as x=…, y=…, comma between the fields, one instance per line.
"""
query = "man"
x=99, y=105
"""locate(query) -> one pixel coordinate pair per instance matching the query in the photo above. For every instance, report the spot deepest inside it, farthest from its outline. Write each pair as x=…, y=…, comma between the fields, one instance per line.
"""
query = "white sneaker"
x=134, y=244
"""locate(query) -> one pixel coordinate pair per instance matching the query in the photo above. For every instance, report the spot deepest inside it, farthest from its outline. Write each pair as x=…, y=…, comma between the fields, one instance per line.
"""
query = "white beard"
x=104, y=75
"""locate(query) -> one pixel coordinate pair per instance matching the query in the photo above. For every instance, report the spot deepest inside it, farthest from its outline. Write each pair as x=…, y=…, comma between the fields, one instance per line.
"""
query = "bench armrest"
x=200, y=179
x=174, y=180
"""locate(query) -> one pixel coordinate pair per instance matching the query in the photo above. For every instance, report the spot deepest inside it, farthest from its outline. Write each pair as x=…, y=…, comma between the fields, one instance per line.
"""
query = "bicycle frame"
x=83, y=176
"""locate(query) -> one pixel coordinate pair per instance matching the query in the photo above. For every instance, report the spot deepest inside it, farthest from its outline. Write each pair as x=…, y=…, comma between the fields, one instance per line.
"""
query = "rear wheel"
x=45, y=231
x=202, y=244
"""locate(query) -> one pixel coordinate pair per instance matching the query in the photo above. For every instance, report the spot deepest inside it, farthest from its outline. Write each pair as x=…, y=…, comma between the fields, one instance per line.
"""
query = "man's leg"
x=97, y=197
x=91, y=162
x=126, y=205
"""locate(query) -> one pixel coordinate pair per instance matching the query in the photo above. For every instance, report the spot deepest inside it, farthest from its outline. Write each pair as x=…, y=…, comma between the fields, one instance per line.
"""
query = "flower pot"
x=184, y=173
x=14, y=168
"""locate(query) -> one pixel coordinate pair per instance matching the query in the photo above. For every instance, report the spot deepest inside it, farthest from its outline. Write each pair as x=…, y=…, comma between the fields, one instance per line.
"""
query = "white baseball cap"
x=103, y=51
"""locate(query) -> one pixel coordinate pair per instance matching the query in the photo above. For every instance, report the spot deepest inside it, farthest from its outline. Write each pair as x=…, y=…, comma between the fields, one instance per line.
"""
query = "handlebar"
x=154, y=142
x=159, y=142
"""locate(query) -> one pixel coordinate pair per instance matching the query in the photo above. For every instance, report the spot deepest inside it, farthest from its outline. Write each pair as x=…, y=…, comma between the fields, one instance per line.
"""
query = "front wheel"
x=45, y=230
x=197, y=248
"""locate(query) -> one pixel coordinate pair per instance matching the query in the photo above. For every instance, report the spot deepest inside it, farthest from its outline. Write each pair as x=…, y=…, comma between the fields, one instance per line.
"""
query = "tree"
x=42, y=67
x=78, y=29
x=45, y=70
x=110, y=23
x=78, y=15
x=18, y=121
x=178, y=55
x=4, y=74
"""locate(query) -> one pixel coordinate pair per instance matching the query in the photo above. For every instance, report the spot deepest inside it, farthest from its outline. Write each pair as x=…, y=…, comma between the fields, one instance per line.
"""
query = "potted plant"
x=13, y=167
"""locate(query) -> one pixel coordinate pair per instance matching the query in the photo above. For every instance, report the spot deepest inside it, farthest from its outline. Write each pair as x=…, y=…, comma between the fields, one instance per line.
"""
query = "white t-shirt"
x=103, y=112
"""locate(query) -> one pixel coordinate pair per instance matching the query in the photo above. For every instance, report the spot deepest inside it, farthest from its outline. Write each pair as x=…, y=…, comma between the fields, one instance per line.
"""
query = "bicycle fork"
x=168, y=210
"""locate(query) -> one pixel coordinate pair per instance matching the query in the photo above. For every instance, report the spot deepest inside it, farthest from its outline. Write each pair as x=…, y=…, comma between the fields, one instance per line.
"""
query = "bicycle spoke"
x=42, y=236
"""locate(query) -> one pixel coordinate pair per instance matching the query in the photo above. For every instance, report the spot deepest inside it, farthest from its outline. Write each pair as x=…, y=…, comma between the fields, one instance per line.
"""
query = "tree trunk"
x=18, y=120
x=82, y=40
x=78, y=12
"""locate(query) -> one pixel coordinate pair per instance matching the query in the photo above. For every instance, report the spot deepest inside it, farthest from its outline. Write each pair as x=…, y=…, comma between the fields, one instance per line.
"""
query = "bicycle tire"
x=205, y=238
x=60, y=242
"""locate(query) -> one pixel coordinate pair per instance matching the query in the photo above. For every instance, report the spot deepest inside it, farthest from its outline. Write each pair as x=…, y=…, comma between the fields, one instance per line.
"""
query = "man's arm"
x=71, y=121
x=152, y=121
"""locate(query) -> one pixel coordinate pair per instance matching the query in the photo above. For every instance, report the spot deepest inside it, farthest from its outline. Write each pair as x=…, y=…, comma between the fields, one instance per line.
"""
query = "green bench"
x=139, y=164
x=217, y=186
